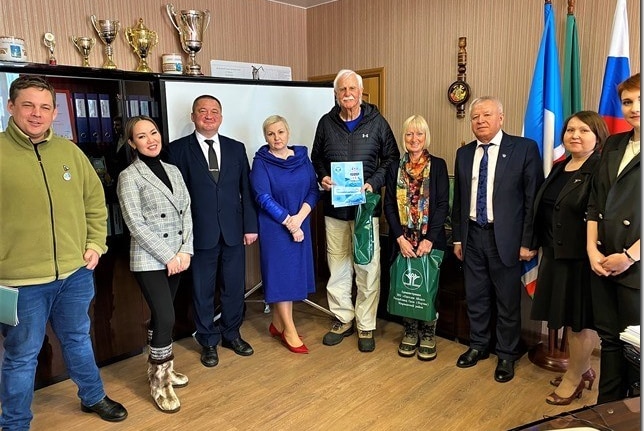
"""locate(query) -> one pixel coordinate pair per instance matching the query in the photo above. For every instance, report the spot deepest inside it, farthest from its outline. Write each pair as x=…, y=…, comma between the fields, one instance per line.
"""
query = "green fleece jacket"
x=52, y=208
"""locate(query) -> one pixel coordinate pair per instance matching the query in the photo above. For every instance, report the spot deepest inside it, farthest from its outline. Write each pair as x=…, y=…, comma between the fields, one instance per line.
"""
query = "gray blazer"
x=160, y=221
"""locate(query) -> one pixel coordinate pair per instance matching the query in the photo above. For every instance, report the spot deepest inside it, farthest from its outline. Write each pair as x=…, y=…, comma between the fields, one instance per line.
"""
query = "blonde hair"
x=272, y=120
x=416, y=122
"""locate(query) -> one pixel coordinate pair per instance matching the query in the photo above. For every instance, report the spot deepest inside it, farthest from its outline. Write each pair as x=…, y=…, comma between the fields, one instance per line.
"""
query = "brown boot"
x=161, y=387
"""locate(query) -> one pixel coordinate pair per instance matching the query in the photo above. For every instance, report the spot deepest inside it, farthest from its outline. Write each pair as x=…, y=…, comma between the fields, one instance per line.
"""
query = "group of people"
x=199, y=207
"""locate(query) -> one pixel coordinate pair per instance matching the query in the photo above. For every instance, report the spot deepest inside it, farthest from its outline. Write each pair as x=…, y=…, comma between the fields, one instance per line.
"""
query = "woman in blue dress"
x=286, y=190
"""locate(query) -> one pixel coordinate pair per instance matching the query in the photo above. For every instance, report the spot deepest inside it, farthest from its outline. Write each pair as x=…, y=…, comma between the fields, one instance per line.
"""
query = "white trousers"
x=339, y=252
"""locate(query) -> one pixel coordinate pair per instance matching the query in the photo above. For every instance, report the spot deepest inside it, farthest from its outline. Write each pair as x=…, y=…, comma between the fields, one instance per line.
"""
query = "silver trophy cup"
x=190, y=24
x=107, y=30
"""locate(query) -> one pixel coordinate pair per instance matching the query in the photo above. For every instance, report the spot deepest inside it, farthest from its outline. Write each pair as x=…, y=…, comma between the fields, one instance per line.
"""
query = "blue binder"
x=93, y=118
x=106, y=118
x=82, y=124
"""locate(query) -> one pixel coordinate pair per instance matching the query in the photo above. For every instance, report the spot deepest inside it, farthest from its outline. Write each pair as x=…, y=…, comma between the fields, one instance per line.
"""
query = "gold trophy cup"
x=190, y=24
x=142, y=40
x=84, y=45
x=107, y=30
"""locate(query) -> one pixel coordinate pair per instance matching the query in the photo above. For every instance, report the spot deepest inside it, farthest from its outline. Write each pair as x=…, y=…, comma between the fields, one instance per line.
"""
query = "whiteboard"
x=245, y=106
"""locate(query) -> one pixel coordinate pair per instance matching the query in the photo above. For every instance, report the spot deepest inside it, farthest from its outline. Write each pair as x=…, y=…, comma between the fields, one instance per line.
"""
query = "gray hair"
x=482, y=99
x=346, y=73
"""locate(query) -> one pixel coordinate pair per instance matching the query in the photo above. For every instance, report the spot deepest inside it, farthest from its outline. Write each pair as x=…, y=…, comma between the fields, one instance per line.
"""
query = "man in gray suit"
x=496, y=179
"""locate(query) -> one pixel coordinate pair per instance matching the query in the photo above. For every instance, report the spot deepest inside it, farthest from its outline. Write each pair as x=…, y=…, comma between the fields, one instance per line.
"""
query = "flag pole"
x=553, y=356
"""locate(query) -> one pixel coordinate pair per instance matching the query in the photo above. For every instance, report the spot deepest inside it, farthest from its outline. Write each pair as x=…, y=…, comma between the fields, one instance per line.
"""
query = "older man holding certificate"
x=353, y=131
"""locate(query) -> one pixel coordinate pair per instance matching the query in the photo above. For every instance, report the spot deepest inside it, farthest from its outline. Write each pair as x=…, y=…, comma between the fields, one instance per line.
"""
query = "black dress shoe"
x=238, y=346
x=504, y=371
x=209, y=357
x=471, y=357
x=107, y=409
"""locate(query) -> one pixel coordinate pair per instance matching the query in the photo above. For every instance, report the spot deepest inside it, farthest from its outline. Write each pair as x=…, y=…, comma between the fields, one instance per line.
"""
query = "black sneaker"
x=337, y=333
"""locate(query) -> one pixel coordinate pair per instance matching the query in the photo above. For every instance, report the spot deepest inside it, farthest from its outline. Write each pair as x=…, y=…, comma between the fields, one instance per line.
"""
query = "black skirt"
x=562, y=296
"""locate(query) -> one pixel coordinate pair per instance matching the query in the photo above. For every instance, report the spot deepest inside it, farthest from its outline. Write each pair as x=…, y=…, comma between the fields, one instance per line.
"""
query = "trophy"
x=107, y=30
x=50, y=42
x=190, y=24
x=142, y=40
x=84, y=45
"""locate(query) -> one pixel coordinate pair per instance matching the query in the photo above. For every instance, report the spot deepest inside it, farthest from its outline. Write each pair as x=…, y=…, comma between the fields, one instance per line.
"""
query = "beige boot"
x=177, y=380
x=161, y=387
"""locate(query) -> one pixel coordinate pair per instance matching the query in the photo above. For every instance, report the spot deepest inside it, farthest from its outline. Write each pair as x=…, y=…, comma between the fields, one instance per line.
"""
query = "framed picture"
x=62, y=124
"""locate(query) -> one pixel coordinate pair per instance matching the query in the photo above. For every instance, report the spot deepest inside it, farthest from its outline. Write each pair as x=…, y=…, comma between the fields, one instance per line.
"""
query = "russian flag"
x=617, y=70
x=544, y=116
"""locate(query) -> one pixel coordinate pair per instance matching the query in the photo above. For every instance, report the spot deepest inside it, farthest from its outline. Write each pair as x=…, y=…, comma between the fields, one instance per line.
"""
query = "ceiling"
x=303, y=3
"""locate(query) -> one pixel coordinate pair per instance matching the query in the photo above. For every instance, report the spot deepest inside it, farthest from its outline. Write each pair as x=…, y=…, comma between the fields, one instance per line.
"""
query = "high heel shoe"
x=588, y=377
x=274, y=331
x=298, y=349
x=560, y=401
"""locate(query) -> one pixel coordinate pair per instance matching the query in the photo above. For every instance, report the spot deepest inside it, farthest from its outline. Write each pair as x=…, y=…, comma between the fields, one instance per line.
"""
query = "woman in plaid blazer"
x=156, y=208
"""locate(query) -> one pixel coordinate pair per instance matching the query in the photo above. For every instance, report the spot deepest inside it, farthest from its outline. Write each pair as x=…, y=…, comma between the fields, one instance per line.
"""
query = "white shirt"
x=492, y=157
x=204, y=147
x=632, y=149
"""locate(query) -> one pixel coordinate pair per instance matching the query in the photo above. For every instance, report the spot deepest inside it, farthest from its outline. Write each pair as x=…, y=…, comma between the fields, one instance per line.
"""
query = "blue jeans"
x=65, y=303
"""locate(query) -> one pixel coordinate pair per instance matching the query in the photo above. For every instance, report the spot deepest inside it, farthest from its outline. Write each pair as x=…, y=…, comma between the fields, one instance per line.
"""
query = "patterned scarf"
x=412, y=194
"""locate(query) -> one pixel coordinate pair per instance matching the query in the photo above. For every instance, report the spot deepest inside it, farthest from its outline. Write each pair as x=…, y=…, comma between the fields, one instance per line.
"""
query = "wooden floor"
x=332, y=388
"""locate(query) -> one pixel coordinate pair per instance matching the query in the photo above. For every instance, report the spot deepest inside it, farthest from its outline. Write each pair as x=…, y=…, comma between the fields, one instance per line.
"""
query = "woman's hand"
x=406, y=249
x=424, y=247
x=185, y=260
x=298, y=235
x=616, y=263
x=294, y=223
x=174, y=266
x=597, y=260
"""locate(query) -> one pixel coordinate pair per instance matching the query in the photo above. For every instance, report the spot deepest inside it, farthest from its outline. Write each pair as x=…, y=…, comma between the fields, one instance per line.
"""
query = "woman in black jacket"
x=613, y=244
x=562, y=296
x=416, y=206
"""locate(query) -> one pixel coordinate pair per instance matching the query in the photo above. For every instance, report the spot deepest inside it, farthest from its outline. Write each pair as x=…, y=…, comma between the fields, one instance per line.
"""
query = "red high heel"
x=588, y=377
x=298, y=349
x=274, y=331
x=560, y=401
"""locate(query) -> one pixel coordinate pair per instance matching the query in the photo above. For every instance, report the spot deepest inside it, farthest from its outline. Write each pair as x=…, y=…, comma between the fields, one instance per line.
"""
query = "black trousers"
x=159, y=291
x=490, y=283
x=615, y=307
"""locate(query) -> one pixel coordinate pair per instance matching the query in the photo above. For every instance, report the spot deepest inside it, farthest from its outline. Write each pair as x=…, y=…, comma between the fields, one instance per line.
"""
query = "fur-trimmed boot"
x=427, y=347
x=161, y=387
x=177, y=380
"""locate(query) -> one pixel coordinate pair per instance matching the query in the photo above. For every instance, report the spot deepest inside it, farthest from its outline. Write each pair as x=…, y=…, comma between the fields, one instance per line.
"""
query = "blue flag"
x=544, y=116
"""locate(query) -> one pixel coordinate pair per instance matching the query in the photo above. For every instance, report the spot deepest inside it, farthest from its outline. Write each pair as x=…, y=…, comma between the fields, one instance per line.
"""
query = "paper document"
x=9, y=305
x=631, y=335
x=348, y=179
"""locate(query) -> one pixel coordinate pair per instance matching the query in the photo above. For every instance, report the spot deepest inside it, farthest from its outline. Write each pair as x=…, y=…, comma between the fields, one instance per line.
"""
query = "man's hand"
x=458, y=251
x=91, y=258
x=326, y=183
x=249, y=238
x=526, y=254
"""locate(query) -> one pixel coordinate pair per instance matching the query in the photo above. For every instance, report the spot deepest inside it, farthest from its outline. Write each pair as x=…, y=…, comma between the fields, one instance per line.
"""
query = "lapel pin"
x=67, y=175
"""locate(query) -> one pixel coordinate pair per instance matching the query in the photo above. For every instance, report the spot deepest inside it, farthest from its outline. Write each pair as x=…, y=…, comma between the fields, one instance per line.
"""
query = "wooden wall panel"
x=247, y=30
x=416, y=41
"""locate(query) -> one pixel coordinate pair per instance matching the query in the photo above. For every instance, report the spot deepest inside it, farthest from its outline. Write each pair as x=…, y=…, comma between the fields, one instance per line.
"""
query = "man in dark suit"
x=215, y=169
x=496, y=179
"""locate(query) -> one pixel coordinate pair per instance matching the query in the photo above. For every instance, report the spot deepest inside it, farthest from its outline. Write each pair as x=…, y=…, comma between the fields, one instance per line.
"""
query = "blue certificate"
x=348, y=179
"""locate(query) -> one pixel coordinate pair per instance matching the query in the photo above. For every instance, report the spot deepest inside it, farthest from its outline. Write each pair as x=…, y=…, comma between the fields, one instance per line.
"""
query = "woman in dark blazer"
x=613, y=244
x=562, y=297
x=416, y=206
x=156, y=208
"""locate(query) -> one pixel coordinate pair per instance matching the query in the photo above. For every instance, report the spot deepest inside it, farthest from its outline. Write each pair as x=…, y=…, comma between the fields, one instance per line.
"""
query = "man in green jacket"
x=52, y=234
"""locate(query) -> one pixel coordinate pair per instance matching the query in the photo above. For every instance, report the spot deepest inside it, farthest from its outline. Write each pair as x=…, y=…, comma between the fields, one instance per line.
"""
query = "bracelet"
x=629, y=256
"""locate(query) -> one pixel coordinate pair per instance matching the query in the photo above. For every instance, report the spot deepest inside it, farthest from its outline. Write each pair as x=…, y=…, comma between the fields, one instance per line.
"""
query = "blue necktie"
x=481, y=193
